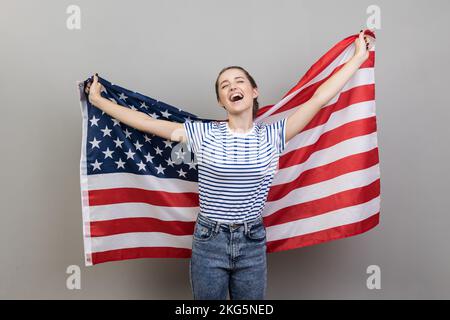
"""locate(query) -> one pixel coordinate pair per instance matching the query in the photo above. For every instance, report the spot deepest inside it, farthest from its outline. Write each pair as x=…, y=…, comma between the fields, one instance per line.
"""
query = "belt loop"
x=216, y=230
x=245, y=227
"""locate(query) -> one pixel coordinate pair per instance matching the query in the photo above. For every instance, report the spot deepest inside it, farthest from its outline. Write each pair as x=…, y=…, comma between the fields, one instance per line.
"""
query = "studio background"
x=173, y=51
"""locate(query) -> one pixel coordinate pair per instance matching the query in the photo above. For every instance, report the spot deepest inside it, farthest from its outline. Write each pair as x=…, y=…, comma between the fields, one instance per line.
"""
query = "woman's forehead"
x=231, y=74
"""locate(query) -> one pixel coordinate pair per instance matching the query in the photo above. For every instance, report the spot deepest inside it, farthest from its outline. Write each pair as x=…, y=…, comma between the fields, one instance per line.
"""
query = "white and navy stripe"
x=235, y=170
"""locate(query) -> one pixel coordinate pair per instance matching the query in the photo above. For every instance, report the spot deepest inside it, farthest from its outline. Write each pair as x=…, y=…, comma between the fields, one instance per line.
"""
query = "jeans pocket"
x=257, y=232
x=202, y=232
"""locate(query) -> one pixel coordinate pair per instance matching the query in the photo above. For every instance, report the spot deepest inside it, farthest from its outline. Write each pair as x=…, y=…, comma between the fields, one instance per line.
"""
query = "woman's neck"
x=240, y=124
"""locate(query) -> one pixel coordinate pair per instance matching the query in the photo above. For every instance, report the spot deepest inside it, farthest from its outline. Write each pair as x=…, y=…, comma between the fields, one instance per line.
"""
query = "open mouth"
x=236, y=97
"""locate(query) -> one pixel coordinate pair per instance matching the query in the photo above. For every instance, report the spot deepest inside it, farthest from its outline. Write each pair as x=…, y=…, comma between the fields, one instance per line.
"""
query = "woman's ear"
x=255, y=93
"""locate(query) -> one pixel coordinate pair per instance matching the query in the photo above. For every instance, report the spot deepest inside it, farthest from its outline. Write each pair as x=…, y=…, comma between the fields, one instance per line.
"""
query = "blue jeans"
x=228, y=257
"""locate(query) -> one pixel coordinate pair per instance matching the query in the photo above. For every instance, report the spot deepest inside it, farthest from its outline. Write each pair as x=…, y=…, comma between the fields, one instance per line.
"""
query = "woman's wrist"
x=95, y=100
x=359, y=59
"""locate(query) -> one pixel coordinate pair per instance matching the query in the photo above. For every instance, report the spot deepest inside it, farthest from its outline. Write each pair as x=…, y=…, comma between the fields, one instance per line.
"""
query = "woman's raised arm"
x=328, y=89
x=166, y=129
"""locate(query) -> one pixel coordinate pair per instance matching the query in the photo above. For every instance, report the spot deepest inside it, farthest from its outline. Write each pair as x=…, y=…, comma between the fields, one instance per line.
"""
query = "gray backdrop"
x=173, y=51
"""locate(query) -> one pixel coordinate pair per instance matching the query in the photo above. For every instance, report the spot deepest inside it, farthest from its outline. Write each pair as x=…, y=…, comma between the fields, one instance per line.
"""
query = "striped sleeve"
x=276, y=134
x=196, y=133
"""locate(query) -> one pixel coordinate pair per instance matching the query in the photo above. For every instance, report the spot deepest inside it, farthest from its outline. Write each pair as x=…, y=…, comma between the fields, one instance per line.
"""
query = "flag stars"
x=158, y=151
x=192, y=165
x=118, y=143
x=181, y=173
x=166, y=114
x=108, y=153
x=160, y=169
x=130, y=154
x=137, y=145
x=106, y=131
x=170, y=162
x=95, y=143
x=148, y=157
x=168, y=144
x=96, y=165
x=120, y=164
x=141, y=166
x=180, y=154
x=127, y=133
x=94, y=121
x=154, y=115
x=147, y=139
x=134, y=155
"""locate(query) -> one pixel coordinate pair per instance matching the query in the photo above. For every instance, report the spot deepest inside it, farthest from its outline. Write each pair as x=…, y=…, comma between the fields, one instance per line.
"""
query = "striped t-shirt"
x=235, y=170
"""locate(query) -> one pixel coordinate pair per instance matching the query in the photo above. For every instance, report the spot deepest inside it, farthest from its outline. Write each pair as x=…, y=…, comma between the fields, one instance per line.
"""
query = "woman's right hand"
x=93, y=89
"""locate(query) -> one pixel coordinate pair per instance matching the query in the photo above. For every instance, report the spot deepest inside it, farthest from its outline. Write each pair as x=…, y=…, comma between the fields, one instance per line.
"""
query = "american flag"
x=140, y=192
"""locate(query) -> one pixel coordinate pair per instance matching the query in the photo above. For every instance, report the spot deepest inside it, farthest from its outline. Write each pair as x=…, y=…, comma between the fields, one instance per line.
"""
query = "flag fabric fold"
x=139, y=192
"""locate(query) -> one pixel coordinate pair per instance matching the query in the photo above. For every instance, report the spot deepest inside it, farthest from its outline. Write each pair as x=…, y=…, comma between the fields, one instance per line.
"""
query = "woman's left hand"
x=362, y=47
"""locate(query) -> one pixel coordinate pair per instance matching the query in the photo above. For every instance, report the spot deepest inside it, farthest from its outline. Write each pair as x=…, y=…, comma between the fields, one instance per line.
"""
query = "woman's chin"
x=237, y=108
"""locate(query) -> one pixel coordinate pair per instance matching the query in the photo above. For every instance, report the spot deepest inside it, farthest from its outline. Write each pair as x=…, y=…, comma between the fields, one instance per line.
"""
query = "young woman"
x=236, y=163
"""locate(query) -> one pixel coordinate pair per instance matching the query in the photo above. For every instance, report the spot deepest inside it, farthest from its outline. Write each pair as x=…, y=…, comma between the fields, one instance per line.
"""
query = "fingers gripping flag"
x=139, y=192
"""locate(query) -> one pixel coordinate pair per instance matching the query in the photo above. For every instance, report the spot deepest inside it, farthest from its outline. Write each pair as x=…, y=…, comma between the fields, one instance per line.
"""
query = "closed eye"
x=241, y=81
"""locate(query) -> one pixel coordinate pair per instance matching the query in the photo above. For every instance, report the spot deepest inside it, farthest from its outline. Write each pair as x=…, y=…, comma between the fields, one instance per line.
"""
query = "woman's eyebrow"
x=234, y=77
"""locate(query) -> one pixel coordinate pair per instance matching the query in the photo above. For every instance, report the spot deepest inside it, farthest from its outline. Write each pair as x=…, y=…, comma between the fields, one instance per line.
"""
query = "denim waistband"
x=229, y=225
